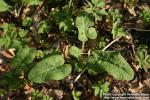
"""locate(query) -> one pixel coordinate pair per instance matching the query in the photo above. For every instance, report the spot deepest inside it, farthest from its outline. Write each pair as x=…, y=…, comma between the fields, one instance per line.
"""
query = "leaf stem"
x=111, y=43
x=76, y=79
x=85, y=68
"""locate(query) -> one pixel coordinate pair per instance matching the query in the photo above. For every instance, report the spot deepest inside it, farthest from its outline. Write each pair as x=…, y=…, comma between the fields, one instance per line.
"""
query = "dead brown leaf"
x=136, y=86
x=11, y=51
x=132, y=11
x=8, y=54
x=65, y=51
x=2, y=69
x=28, y=88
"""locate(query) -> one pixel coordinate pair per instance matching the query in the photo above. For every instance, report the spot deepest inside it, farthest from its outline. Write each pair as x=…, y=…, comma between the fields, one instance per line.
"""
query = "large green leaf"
x=24, y=57
x=51, y=68
x=111, y=62
x=3, y=6
x=84, y=23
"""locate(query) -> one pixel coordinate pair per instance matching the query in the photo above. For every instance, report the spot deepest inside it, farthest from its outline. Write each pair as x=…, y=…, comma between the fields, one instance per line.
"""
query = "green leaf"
x=43, y=27
x=11, y=80
x=89, y=10
x=117, y=31
x=105, y=87
x=83, y=23
x=111, y=62
x=82, y=37
x=74, y=51
x=98, y=3
x=76, y=94
x=24, y=57
x=13, y=37
x=8, y=28
x=14, y=43
x=3, y=42
x=3, y=6
x=91, y=34
x=143, y=58
x=51, y=68
x=100, y=88
x=32, y=2
x=145, y=15
x=65, y=25
x=46, y=97
x=102, y=12
x=23, y=33
x=27, y=22
x=63, y=18
x=90, y=5
x=2, y=92
x=96, y=89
